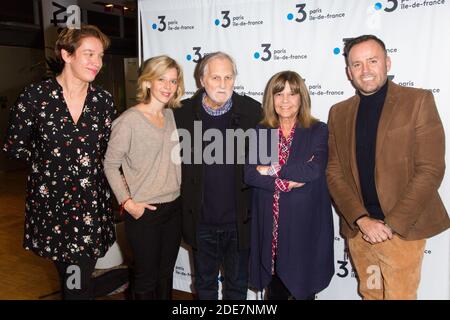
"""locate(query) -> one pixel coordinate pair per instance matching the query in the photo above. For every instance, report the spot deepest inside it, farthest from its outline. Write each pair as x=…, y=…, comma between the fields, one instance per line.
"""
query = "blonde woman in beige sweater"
x=149, y=190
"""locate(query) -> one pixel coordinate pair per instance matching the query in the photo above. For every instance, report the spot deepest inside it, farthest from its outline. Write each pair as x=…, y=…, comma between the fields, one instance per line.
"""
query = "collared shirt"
x=219, y=111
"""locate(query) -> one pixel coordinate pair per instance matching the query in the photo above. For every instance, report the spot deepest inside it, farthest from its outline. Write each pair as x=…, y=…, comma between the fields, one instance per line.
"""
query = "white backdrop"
x=267, y=36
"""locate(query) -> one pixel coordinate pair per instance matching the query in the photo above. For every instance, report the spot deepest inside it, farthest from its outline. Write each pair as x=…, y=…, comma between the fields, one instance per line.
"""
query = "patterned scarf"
x=284, y=146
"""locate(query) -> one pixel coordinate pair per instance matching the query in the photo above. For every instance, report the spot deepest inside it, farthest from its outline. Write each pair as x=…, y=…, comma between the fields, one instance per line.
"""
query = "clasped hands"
x=374, y=230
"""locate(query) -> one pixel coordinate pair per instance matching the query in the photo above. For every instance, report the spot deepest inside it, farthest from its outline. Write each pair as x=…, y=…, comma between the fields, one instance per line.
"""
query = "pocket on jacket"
x=304, y=189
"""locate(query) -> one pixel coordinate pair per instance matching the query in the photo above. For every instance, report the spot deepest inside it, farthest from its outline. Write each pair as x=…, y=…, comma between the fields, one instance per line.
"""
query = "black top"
x=68, y=210
x=369, y=112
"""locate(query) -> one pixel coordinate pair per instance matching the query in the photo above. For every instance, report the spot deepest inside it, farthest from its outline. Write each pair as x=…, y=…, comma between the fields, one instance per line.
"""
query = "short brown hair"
x=351, y=42
x=70, y=39
x=276, y=84
x=152, y=69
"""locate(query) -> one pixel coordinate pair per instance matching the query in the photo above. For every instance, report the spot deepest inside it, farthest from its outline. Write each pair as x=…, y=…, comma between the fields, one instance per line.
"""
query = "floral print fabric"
x=68, y=211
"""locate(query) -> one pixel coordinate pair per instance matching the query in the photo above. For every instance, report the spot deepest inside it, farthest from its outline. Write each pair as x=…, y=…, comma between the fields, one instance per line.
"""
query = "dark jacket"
x=305, y=235
x=245, y=114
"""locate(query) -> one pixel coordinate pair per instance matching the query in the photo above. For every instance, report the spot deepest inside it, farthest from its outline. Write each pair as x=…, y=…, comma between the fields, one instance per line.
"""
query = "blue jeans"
x=218, y=248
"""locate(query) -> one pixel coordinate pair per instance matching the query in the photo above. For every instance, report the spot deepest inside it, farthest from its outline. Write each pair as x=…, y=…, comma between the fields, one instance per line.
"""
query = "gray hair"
x=203, y=64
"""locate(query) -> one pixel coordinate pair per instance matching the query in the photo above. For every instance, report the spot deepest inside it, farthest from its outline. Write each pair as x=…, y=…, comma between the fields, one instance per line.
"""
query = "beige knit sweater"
x=145, y=154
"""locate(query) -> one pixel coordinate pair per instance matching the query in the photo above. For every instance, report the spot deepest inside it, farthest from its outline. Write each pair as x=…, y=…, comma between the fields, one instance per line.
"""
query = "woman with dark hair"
x=292, y=226
x=61, y=127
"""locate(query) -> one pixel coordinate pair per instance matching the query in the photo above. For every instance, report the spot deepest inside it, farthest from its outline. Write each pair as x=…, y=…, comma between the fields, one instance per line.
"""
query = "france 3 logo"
x=390, y=7
x=196, y=56
x=316, y=14
x=301, y=14
x=278, y=54
x=227, y=20
x=266, y=54
x=164, y=24
x=393, y=5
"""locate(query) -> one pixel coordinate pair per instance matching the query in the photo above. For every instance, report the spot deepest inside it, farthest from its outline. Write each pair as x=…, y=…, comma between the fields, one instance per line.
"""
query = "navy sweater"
x=219, y=208
x=369, y=112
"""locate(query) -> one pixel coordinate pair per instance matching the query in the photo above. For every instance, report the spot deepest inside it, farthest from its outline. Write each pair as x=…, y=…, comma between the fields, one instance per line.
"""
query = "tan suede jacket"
x=409, y=164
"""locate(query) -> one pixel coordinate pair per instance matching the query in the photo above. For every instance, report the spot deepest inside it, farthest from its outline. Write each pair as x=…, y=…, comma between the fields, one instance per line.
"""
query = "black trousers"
x=75, y=279
x=155, y=240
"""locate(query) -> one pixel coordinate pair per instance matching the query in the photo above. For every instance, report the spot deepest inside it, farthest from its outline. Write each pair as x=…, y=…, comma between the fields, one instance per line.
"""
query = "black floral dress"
x=68, y=211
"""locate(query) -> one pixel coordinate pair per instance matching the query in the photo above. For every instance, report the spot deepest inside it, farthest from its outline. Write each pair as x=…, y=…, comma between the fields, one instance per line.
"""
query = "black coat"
x=245, y=114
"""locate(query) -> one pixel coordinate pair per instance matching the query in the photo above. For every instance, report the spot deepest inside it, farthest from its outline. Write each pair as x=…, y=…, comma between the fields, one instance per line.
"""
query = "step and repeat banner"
x=268, y=36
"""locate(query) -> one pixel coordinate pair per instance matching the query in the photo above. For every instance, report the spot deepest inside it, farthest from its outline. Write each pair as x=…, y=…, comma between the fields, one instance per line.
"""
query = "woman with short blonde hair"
x=141, y=148
x=151, y=70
